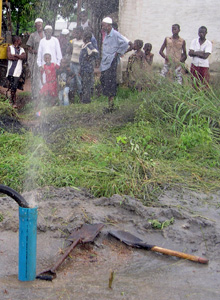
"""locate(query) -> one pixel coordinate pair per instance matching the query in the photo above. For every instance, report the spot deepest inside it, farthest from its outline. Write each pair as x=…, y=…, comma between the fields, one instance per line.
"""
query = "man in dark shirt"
x=87, y=57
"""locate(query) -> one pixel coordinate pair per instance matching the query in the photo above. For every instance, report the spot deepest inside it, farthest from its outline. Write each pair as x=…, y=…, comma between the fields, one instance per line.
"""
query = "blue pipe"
x=27, y=235
x=27, y=243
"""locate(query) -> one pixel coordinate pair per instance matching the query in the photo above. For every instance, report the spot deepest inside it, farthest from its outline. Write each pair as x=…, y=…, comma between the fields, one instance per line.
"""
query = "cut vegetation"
x=165, y=137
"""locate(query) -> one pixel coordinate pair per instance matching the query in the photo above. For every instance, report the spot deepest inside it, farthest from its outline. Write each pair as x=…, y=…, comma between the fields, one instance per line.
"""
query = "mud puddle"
x=139, y=274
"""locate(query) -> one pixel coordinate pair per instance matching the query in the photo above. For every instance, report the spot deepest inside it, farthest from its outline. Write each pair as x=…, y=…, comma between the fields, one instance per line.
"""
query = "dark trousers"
x=87, y=86
x=13, y=83
x=109, y=80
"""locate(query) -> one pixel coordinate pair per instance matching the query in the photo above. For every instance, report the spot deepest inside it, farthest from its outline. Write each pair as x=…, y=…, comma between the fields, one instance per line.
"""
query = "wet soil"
x=139, y=274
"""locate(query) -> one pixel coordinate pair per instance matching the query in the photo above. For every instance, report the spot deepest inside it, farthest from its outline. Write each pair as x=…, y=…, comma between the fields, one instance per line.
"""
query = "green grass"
x=167, y=136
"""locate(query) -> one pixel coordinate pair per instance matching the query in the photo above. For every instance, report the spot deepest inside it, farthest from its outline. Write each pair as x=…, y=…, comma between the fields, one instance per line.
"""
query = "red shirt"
x=50, y=86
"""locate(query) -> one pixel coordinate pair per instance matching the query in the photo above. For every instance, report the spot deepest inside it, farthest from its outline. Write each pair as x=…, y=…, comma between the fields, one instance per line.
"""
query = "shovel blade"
x=126, y=237
x=86, y=233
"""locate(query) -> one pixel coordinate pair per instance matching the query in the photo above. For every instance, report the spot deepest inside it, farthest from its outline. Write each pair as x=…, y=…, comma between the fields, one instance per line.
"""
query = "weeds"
x=1, y=217
x=161, y=225
x=164, y=137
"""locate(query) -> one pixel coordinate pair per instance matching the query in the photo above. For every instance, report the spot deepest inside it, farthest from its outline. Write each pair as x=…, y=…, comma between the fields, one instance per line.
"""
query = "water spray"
x=27, y=235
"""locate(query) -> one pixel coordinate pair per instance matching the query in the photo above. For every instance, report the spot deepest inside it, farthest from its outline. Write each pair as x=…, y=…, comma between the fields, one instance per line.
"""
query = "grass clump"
x=165, y=137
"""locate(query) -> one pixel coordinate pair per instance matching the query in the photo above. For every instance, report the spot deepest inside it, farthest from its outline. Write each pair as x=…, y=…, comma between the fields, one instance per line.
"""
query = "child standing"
x=148, y=55
x=137, y=67
x=87, y=58
x=16, y=55
x=64, y=76
x=49, y=79
x=76, y=45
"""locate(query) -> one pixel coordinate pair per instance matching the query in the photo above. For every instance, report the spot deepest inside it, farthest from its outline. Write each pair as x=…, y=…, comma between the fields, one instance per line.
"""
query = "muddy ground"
x=139, y=274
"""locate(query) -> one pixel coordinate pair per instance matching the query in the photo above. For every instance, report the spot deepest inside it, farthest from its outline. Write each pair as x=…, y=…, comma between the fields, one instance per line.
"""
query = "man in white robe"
x=50, y=45
x=33, y=44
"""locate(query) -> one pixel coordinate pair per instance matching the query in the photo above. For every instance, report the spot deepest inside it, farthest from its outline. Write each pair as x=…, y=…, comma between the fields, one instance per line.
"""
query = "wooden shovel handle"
x=180, y=254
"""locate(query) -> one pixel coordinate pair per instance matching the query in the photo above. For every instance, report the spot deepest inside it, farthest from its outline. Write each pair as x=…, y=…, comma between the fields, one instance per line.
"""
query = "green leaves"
x=23, y=12
x=195, y=135
x=160, y=225
x=121, y=139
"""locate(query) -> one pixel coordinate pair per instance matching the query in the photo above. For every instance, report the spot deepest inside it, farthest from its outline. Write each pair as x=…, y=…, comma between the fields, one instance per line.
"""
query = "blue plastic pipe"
x=27, y=243
x=27, y=235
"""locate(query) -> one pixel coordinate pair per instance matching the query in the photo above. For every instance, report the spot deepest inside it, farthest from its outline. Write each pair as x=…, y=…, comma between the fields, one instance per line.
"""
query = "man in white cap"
x=50, y=45
x=33, y=44
x=114, y=46
x=64, y=40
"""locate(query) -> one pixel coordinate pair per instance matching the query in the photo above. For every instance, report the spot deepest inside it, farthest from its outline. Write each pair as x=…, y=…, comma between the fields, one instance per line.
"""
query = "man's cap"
x=107, y=20
x=38, y=20
x=65, y=31
x=48, y=27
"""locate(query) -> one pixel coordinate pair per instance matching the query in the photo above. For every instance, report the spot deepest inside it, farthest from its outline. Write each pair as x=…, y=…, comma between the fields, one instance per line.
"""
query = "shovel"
x=87, y=233
x=131, y=240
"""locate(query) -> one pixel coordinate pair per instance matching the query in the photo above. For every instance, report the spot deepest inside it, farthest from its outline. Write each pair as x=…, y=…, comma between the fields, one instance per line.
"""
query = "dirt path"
x=139, y=274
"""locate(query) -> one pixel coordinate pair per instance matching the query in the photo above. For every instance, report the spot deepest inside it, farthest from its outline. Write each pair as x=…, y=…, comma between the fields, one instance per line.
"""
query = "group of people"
x=139, y=65
x=175, y=56
x=61, y=66
x=66, y=64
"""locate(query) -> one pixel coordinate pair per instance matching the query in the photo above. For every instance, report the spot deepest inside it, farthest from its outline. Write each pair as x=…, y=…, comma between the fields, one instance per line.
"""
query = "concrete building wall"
x=151, y=21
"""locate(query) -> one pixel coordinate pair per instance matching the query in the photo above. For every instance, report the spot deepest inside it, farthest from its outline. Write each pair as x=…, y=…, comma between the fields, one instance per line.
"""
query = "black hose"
x=13, y=194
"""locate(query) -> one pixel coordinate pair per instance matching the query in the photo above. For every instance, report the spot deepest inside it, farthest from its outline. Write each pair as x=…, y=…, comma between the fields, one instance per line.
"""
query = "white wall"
x=151, y=21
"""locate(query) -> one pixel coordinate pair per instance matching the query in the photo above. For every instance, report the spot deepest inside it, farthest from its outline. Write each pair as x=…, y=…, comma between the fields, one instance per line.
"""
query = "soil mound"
x=139, y=274
x=10, y=124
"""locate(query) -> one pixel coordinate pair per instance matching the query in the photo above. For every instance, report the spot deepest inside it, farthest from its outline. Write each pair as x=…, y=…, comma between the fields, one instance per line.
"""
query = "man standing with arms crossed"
x=200, y=49
x=114, y=45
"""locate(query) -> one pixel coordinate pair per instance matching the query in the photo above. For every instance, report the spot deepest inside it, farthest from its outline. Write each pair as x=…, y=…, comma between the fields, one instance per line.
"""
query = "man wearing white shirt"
x=200, y=49
x=51, y=45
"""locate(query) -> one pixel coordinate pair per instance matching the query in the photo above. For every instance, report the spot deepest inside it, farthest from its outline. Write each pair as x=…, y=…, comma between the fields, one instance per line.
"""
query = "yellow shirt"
x=77, y=47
